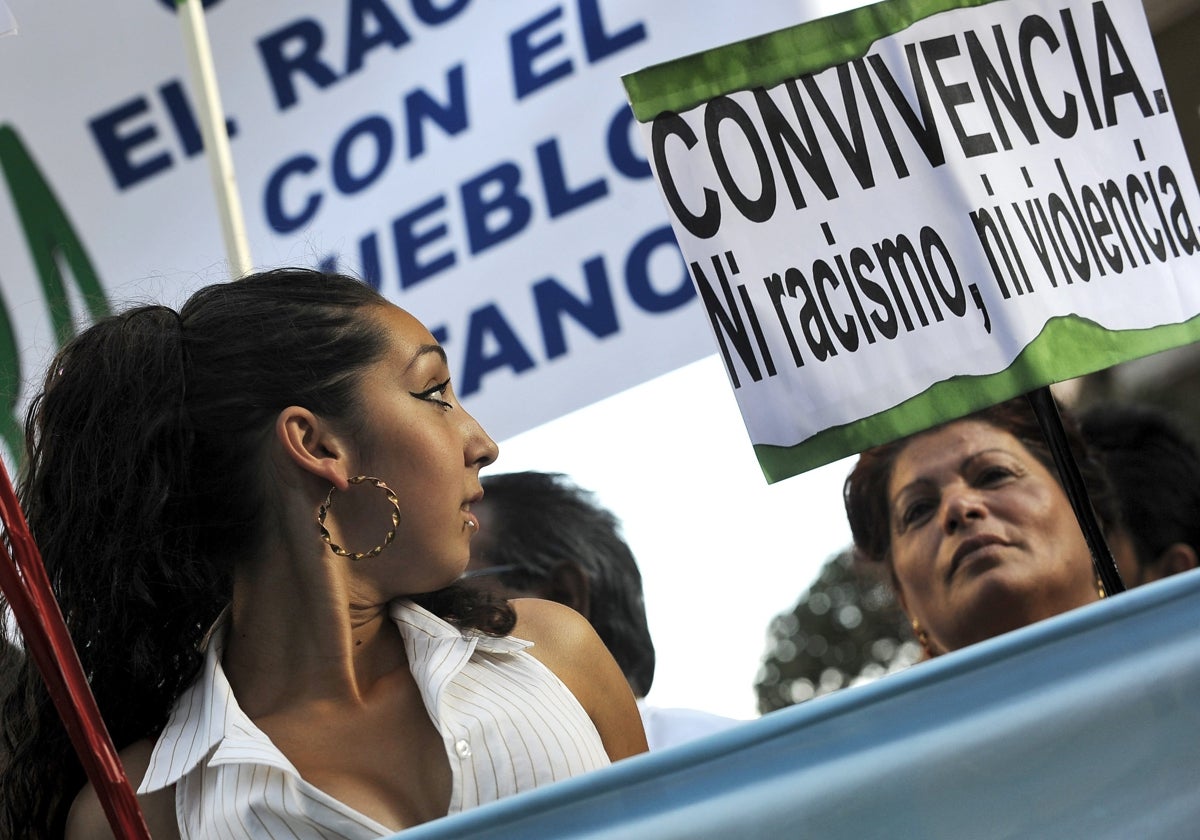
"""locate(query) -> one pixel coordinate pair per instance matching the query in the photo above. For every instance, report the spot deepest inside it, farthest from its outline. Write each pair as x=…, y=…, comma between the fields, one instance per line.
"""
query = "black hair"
x=1155, y=471
x=144, y=483
x=539, y=520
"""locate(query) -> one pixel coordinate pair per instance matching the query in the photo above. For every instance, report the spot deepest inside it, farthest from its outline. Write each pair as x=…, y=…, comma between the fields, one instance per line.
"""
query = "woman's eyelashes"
x=914, y=512
x=437, y=394
x=992, y=476
x=997, y=471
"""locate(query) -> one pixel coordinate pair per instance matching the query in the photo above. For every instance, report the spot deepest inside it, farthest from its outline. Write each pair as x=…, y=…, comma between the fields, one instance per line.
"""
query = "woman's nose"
x=481, y=450
x=959, y=506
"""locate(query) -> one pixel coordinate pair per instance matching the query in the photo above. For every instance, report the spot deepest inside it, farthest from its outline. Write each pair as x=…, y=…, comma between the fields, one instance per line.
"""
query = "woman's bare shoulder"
x=558, y=632
x=536, y=616
x=566, y=643
x=87, y=820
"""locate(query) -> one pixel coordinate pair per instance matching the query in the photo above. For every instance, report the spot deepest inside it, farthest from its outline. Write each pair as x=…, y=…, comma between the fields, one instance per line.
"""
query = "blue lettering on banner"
x=133, y=142
x=639, y=280
x=379, y=132
x=429, y=12
x=486, y=323
x=175, y=98
x=534, y=47
x=496, y=205
x=119, y=133
x=526, y=51
x=513, y=209
x=294, y=51
x=490, y=205
x=492, y=344
x=599, y=316
x=409, y=241
x=134, y=145
x=297, y=51
x=371, y=25
x=560, y=198
x=598, y=43
x=420, y=110
x=273, y=207
x=451, y=116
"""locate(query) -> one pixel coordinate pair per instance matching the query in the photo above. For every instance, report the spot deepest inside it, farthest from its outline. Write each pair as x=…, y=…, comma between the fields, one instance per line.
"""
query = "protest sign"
x=908, y=211
x=477, y=161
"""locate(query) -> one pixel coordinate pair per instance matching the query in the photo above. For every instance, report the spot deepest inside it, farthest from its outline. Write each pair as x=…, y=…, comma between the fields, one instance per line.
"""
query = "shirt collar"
x=206, y=719
x=415, y=621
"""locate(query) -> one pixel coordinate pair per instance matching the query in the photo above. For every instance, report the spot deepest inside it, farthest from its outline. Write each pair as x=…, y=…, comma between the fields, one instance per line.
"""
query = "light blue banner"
x=1082, y=726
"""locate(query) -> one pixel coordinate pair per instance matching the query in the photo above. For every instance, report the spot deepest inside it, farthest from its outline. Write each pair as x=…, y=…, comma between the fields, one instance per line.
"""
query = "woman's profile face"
x=983, y=537
x=417, y=438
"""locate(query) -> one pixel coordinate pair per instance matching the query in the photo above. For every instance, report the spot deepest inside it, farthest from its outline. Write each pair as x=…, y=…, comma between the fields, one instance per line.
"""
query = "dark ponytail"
x=105, y=479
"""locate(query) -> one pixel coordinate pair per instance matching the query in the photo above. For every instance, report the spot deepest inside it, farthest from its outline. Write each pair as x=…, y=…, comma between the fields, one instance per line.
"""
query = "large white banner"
x=476, y=159
x=911, y=210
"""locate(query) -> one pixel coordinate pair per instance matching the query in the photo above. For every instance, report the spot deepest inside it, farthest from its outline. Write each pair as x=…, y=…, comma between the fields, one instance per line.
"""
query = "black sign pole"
x=1049, y=419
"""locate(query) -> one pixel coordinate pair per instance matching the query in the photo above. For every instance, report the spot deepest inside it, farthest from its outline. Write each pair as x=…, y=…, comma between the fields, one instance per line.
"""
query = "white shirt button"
x=462, y=748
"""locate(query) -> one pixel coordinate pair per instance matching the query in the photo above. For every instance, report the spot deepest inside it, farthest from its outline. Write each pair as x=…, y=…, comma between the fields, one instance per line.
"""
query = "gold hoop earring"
x=391, y=534
x=1100, y=590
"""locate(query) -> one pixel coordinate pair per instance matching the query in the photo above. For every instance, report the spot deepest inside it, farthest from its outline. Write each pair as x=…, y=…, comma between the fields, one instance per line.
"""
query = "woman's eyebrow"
x=982, y=453
x=425, y=350
x=919, y=482
x=963, y=465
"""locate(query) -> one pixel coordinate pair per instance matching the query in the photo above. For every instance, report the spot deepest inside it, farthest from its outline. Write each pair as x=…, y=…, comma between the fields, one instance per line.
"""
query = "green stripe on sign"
x=770, y=59
x=1067, y=347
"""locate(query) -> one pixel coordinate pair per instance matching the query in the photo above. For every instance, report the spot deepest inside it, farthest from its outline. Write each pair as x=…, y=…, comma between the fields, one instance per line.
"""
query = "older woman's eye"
x=993, y=475
x=912, y=513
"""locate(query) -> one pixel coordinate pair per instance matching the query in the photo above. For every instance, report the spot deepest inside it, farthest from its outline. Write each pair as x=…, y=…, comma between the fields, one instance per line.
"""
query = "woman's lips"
x=968, y=547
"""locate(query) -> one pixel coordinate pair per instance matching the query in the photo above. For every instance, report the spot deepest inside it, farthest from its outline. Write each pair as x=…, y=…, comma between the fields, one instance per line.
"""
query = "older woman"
x=971, y=519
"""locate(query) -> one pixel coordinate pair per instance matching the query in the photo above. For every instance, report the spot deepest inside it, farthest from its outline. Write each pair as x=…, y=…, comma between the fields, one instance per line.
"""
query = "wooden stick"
x=216, y=138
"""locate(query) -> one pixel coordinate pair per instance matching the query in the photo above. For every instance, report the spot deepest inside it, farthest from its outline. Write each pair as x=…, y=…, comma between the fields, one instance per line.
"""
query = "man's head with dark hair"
x=542, y=536
x=1155, y=471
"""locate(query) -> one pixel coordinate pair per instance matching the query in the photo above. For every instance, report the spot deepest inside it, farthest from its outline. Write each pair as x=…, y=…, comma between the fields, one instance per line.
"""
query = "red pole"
x=27, y=588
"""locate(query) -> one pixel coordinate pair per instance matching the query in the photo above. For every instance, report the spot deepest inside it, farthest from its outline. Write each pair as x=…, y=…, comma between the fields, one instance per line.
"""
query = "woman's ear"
x=928, y=645
x=311, y=444
x=1178, y=557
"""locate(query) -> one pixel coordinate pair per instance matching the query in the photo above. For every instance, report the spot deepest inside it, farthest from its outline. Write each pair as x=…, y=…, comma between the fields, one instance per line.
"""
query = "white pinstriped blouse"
x=508, y=723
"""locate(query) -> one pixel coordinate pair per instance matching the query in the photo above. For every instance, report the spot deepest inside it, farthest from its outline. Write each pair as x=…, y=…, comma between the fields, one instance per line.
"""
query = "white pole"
x=216, y=139
x=8, y=23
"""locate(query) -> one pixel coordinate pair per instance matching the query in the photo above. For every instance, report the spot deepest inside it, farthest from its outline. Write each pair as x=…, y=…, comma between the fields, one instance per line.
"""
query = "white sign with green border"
x=902, y=213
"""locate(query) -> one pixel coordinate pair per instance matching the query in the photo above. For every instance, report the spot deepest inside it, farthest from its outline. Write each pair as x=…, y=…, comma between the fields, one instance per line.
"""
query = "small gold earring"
x=391, y=534
x=923, y=639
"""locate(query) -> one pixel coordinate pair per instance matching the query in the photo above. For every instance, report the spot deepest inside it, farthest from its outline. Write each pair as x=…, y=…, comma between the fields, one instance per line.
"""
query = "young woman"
x=972, y=521
x=254, y=512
